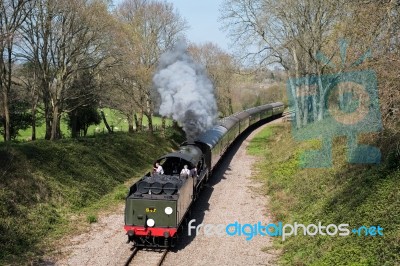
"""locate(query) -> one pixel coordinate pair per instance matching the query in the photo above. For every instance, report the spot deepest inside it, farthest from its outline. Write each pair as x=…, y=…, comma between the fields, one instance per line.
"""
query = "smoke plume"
x=187, y=94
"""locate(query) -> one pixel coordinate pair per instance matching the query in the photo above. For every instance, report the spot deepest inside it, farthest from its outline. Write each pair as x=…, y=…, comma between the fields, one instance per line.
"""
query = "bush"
x=91, y=218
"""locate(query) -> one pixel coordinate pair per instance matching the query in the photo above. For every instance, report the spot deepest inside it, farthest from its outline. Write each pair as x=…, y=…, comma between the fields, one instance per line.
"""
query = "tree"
x=81, y=119
x=21, y=118
x=82, y=109
x=298, y=34
x=289, y=33
x=27, y=77
x=376, y=25
x=150, y=28
x=220, y=68
x=12, y=15
x=63, y=38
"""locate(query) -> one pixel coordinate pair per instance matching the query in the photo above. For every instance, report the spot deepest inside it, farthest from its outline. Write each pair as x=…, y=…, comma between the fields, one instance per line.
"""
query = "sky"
x=202, y=17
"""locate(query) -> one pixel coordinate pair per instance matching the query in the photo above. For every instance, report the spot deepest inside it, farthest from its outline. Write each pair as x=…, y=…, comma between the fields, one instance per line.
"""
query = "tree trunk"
x=150, y=122
x=55, y=122
x=163, y=126
x=103, y=116
x=85, y=130
x=136, y=121
x=140, y=120
x=48, y=115
x=321, y=102
x=130, y=123
x=230, y=105
x=74, y=125
x=6, y=92
x=33, y=124
x=314, y=107
x=305, y=94
x=58, y=131
x=294, y=90
x=48, y=126
x=34, y=103
x=149, y=113
x=7, y=135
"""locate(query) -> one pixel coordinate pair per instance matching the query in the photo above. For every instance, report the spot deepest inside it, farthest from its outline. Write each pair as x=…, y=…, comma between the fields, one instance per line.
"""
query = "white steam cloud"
x=187, y=94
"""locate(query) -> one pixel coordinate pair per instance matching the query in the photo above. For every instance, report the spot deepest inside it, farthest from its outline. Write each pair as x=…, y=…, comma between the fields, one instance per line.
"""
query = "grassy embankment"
x=49, y=189
x=354, y=194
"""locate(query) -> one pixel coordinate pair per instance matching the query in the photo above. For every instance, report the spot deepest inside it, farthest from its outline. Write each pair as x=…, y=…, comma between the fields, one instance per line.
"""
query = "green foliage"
x=82, y=118
x=84, y=105
x=20, y=118
x=120, y=193
x=393, y=159
x=48, y=188
x=354, y=194
x=260, y=142
x=91, y=218
x=258, y=101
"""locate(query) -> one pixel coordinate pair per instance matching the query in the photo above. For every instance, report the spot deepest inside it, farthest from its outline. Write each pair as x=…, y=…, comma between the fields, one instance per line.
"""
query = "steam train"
x=157, y=204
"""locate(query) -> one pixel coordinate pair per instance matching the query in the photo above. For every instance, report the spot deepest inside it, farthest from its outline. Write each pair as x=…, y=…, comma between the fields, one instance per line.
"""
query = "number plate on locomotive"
x=150, y=209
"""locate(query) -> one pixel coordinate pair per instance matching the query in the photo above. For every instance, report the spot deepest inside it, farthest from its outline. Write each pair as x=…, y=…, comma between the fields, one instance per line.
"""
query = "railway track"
x=146, y=257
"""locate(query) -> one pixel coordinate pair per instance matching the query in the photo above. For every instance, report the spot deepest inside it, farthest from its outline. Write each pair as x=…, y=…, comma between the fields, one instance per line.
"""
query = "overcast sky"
x=202, y=17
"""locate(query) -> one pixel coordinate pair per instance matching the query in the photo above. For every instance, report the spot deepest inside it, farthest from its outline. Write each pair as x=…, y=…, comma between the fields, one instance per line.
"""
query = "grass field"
x=351, y=194
x=49, y=189
x=114, y=118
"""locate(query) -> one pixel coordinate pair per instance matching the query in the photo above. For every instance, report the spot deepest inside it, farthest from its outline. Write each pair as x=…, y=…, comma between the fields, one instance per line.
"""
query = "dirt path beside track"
x=231, y=195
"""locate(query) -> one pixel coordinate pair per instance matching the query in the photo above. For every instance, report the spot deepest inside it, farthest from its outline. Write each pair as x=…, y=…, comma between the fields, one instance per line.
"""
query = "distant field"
x=114, y=118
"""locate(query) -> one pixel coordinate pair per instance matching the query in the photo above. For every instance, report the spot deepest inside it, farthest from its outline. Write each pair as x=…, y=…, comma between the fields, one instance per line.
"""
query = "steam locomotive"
x=157, y=204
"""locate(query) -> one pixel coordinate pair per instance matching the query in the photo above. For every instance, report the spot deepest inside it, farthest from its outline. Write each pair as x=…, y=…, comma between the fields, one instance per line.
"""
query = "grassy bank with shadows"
x=48, y=189
x=343, y=194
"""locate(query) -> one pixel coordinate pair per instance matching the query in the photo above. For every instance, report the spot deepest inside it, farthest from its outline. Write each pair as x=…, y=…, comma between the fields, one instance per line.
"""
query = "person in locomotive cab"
x=185, y=171
x=175, y=169
x=158, y=169
x=193, y=172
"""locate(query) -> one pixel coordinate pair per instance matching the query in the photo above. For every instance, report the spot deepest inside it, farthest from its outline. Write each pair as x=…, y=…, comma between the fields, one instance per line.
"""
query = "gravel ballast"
x=231, y=195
